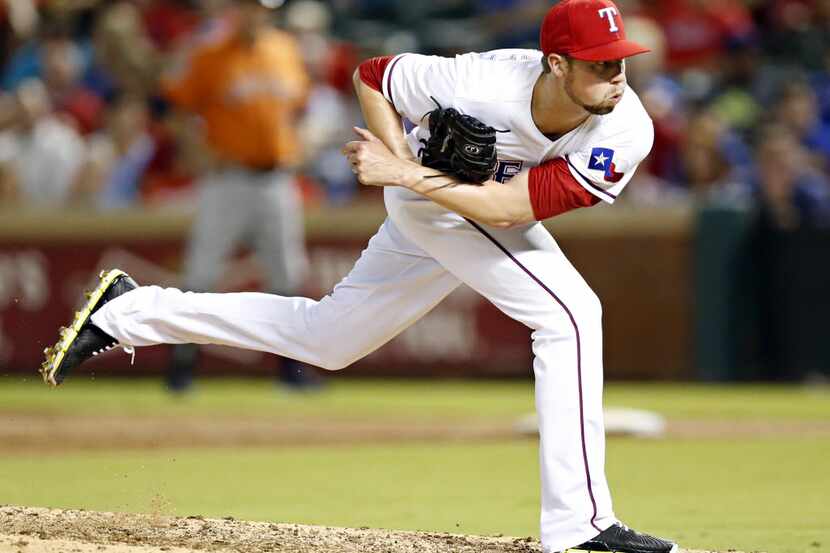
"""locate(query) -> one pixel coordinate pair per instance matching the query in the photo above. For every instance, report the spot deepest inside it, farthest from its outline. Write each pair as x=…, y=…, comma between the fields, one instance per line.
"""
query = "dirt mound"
x=33, y=530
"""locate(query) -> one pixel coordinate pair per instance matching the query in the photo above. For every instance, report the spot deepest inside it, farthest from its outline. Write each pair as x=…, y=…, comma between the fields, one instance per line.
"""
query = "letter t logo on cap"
x=610, y=13
x=588, y=30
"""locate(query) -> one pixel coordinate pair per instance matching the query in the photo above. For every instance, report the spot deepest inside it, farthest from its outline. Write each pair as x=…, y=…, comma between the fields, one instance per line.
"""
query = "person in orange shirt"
x=247, y=86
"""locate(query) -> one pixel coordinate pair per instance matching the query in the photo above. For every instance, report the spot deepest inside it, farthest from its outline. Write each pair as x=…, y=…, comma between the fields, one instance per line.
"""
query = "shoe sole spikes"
x=55, y=354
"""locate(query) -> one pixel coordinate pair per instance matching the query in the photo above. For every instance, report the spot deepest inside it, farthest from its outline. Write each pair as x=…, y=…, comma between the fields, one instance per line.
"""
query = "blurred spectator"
x=125, y=58
x=24, y=62
x=737, y=101
x=820, y=81
x=119, y=156
x=62, y=67
x=168, y=24
x=331, y=109
x=20, y=15
x=797, y=32
x=513, y=23
x=714, y=162
x=41, y=153
x=792, y=192
x=704, y=167
x=698, y=31
x=798, y=110
x=663, y=99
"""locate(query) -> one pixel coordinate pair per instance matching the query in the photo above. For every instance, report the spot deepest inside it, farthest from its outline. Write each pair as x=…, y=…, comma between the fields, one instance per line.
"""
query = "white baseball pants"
x=419, y=255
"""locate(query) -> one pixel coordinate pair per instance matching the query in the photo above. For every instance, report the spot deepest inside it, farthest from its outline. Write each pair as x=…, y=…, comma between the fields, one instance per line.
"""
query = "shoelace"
x=129, y=350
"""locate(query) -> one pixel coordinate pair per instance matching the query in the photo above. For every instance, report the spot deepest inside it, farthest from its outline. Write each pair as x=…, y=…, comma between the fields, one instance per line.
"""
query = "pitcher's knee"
x=590, y=305
x=341, y=344
x=334, y=363
x=339, y=354
x=577, y=311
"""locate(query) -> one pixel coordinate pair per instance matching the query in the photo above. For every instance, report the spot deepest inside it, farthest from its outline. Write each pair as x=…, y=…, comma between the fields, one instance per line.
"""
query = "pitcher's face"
x=596, y=86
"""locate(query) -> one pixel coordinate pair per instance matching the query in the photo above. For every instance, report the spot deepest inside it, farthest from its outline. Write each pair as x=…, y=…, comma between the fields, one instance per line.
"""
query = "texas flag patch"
x=602, y=159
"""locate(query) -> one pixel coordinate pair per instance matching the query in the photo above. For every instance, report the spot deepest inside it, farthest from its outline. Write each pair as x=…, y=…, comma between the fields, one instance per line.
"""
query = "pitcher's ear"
x=558, y=64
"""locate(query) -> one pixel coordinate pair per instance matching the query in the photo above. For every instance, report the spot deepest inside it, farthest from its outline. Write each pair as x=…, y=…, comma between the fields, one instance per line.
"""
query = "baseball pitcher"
x=503, y=140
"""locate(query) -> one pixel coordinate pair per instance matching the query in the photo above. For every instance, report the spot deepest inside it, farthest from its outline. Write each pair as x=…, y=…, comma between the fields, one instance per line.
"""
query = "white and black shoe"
x=619, y=538
x=82, y=339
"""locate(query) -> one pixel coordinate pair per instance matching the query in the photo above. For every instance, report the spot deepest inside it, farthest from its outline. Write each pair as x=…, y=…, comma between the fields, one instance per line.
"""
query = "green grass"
x=746, y=494
x=752, y=494
x=719, y=402
x=481, y=488
x=423, y=398
x=340, y=398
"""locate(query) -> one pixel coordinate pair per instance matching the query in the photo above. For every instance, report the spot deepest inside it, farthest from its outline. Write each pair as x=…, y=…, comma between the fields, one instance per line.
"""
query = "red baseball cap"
x=590, y=30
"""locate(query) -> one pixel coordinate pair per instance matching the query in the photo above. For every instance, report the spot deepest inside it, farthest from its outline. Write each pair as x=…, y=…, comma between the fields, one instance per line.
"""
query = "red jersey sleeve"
x=371, y=71
x=553, y=190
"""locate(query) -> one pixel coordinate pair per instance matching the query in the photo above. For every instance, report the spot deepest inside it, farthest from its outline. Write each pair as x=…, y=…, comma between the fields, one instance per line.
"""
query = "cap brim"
x=616, y=50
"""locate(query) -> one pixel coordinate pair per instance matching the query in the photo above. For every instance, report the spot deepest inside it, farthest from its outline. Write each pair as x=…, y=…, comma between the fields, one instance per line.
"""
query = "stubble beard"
x=596, y=109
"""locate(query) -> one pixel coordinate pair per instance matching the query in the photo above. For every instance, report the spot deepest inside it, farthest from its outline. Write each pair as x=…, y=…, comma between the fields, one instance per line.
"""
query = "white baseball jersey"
x=423, y=252
x=496, y=87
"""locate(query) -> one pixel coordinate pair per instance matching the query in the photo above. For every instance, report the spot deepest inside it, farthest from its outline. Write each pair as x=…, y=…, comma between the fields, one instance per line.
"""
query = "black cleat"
x=82, y=339
x=619, y=538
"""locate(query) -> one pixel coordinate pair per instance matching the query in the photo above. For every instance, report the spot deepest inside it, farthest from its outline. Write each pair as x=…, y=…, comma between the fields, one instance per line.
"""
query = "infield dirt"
x=37, y=530
x=33, y=530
